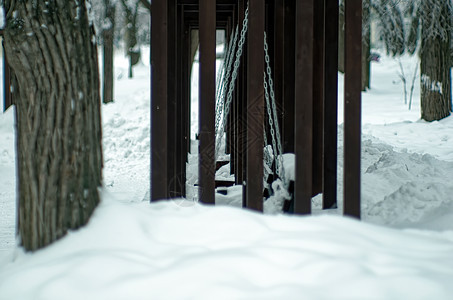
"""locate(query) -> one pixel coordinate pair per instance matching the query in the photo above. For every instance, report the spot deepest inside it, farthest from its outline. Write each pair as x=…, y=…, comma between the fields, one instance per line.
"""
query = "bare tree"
x=51, y=50
x=435, y=58
x=429, y=31
x=108, y=30
x=133, y=51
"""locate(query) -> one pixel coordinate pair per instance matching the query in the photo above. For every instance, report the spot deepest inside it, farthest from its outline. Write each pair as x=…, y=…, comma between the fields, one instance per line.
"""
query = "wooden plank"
x=255, y=106
x=304, y=106
x=289, y=69
x=181, y=144
x=318, y=95
x=240, y=100
x=186, y=100
x=172, y=118
x=352, y=107
x=206, y=169
x=159, y=101
x=278, y=70
x=7, y=96
x=331, y=105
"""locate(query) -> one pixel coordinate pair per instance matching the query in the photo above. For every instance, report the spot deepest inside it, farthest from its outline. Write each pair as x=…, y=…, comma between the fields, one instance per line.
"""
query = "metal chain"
x=271, y=121
x=277, y=155
x=221, y=96
x=233, y=81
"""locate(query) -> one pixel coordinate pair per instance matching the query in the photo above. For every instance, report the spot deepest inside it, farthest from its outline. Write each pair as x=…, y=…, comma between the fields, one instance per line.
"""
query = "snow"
x=179, y=249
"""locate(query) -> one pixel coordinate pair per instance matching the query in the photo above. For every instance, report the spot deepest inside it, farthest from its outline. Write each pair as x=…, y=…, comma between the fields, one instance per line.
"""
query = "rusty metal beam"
x=318, y=95
x=7, y=97
x=278, y=59
x=206, y=169
x=304, y=106
x=239, y=115
x=159, y=101
x=255, y=106
x=330, y=105
x=352, y=107
x=288, y=75
x=172, y=119
x=181, y=143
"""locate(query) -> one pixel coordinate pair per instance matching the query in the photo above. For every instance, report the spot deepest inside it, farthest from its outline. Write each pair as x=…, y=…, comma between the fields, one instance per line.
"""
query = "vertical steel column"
x=255, y=106
x=304, y=106
x=186, y=96
x=330, y=105
x=318, y=95
x=173, y=122
x=180, y=105
x=206, y=169
x=278, y=71
x=159, y=101
x=228, y=142
x=352, y=107
x=240, y=99
x=289, y=69
x=7, y=97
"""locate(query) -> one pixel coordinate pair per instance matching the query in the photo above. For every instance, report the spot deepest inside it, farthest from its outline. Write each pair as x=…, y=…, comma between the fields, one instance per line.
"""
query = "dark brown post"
x=330, y=104
x=180, y=105
x=159, y=101
x=255, y=105
x=240, y=107
x=186, y=99
x=278, y=70
x=304, y=106
x=352, y=107
x=206, y=169
x=173, y=121
x=288, y=76
x=7, y=98
x=318, y=95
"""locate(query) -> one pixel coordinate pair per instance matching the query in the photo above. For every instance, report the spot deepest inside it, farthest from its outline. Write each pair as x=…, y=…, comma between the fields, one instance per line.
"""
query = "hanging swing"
x=277, y=183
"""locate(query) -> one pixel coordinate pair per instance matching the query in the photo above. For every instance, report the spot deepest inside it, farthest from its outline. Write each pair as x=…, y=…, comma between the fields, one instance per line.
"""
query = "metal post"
x=318, y=95
x=240, y=102
x=352, y=107
x=289, y=69
x=331, y=104
x=186, y=99
x=159, y=101
x=278, y=71
x=172, y=119
x=255, y=105
x=206, y=169
x=304, y=106
x=180, y=105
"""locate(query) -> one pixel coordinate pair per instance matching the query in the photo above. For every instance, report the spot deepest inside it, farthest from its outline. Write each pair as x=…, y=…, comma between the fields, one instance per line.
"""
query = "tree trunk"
x=51, y=50
x=435, y=78
x=107, y=95
x=131, y=34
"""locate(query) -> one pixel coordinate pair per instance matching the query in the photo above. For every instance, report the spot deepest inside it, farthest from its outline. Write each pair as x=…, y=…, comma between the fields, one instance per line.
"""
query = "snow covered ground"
x=403, y=248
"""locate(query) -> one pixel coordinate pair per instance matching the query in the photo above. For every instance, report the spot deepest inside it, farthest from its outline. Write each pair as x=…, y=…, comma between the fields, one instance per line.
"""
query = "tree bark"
x=51, y=50
x=435, y=77
x=131, y=34
x=107, y=95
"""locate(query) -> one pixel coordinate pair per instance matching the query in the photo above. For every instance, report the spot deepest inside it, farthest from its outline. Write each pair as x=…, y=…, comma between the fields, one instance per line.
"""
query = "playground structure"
x=294, y=44
x=298, y=42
